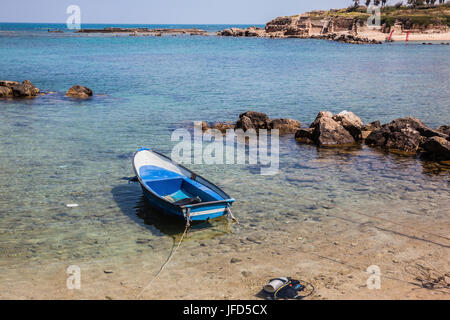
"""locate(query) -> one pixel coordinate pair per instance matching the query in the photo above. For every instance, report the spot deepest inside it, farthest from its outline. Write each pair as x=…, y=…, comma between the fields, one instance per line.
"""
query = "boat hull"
x=203, y=213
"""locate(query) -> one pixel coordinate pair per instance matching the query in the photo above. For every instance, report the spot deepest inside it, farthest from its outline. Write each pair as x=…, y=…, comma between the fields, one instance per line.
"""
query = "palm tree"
x=368, y=2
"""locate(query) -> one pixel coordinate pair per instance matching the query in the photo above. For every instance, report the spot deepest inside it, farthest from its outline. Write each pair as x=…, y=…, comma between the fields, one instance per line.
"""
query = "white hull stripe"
x=200, y=213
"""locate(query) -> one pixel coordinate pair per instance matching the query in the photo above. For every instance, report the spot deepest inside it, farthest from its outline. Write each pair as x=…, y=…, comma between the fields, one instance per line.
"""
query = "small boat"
x=176, y=190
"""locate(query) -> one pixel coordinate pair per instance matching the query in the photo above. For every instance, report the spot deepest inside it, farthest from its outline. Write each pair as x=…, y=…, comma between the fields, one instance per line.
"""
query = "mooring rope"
x=167, y=261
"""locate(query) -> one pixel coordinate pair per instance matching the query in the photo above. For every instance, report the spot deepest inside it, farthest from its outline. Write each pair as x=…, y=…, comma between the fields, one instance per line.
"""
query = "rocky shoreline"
x=406, y=136
x=351, y=26
x=289, y=33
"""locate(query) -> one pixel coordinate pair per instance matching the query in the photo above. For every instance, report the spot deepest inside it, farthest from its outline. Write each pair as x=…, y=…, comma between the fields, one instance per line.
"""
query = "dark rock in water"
x=305, y=135
x=285, y=126
x=328, y=132
x=79, y=92
x=17, y=89
x=444, y=129
x=253, y=120
x=403, y=134
x=256, y=121
x=436, y=148
x=368, y=128
x=351, y=123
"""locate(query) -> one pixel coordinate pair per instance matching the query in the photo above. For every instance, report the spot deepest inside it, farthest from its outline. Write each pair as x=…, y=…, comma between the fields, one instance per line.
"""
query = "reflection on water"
x=133, y=204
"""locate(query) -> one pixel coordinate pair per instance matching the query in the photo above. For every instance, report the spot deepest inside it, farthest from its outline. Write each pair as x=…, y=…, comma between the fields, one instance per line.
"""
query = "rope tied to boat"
x=233, y=218
x=186, y=229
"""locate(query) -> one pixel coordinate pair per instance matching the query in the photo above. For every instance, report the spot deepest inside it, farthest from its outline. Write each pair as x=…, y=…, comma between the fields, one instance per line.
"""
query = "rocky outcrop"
x=403, y=135
x=79, y=92
x=341, y=29
x=330, y=130
x=256, y=121
x=18, y=90
x=351, y=123
x=436, y=148
x=238, y=32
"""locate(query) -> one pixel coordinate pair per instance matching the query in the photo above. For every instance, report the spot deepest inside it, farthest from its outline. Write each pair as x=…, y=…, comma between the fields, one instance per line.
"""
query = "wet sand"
x=376, y=35
x=330, y=250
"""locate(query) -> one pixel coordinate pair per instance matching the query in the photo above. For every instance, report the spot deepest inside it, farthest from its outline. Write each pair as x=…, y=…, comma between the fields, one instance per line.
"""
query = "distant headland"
x=416, y=22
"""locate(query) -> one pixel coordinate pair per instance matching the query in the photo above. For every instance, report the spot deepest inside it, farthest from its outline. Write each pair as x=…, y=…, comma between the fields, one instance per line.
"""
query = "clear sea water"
x=55, y=151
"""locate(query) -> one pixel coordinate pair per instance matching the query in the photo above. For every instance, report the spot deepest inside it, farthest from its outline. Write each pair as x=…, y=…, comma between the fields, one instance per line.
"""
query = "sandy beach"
x=429, y=36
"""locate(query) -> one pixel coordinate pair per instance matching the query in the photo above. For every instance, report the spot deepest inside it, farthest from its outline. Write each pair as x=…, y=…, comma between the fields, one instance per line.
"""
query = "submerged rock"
x=17, y=89
x=436, y=148
x=79, y=92
x=305, y=135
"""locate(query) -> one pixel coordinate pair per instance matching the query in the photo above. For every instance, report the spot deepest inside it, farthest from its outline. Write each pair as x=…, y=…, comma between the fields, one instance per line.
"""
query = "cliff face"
x=305, y=25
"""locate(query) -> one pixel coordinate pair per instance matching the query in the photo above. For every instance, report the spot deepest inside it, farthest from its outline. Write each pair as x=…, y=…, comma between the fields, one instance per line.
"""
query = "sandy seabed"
x=330, y=251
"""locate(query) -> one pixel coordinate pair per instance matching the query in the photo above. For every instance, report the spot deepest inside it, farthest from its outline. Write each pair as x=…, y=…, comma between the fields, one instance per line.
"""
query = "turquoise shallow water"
x=55, y=151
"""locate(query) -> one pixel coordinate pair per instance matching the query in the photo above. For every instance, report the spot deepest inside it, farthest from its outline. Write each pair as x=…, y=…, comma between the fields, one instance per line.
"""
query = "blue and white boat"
x=176, y=190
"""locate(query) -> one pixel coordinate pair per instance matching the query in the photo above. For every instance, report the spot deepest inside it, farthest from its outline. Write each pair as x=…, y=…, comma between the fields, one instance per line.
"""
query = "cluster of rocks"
x=403, y=135
x=256, y=121
x=238, y=32
x=408, y=136
x=15, y=89
x=305, y=27
x=346, y=38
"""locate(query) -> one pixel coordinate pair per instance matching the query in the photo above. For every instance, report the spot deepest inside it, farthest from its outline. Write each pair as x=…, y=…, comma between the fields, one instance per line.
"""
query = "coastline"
x=329, y=214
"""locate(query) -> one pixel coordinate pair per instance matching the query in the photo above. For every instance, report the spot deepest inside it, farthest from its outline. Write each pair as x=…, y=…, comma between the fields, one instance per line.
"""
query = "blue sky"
x=161, y=11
